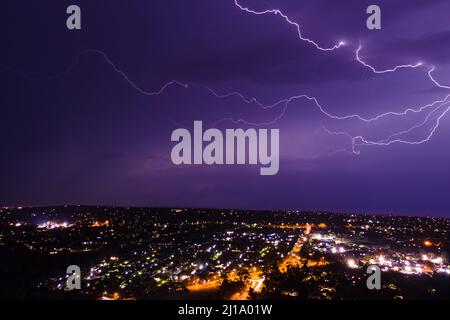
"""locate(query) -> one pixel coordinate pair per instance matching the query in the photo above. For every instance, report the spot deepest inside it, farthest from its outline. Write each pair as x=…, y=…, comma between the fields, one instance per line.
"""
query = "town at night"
x=222, y=159
x=140, y=253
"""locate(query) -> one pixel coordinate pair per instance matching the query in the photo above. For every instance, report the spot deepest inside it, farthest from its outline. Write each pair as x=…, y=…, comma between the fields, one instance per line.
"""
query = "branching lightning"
x=359, y=140
x=438, y=108
x=435, y=82
x=394, y=69
x=109, y=62
x=278, y=12
x=375, y=70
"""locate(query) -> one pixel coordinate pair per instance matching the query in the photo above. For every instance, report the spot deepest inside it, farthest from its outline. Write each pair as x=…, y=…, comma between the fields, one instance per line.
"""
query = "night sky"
x=79, y=124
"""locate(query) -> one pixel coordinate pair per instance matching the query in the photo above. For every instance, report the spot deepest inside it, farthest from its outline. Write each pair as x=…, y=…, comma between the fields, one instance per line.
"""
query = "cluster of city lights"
x=50, y=225
x=355, y=256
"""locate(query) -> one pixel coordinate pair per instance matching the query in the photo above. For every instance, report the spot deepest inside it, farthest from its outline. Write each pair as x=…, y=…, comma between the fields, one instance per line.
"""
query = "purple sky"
x=75, y=130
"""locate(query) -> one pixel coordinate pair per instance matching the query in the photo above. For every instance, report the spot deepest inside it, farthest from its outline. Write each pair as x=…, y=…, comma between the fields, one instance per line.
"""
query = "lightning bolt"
x=360, y=60
x=374, y=70
x=426, y=139
x=110, y=63
x=360, y=140
x=288, y=20
x=278, y=12
x=316, y=102
x=356, y=140
x=435, y=82
x=283, y=102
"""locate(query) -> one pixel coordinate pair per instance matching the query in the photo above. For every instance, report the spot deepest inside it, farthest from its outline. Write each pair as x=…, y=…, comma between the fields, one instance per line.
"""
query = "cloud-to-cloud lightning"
x=435, y=81
x=359, y=140
x=278, y=12
x=429, y=109
x=374, y=70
